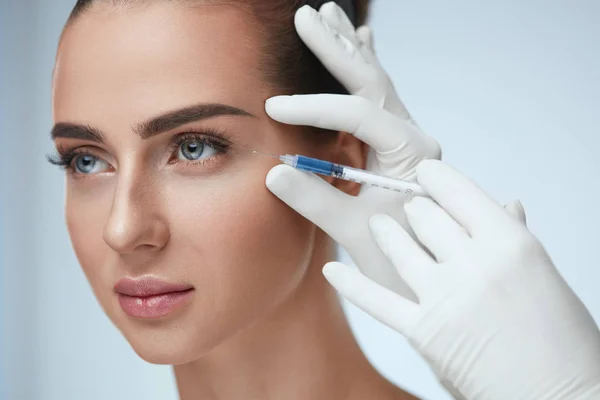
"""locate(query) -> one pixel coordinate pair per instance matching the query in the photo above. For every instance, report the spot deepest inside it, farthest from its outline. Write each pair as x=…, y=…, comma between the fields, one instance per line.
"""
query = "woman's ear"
x=352, y=152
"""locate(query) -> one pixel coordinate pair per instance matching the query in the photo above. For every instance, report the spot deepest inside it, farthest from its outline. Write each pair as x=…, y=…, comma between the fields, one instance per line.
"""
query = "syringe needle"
x=265, y=154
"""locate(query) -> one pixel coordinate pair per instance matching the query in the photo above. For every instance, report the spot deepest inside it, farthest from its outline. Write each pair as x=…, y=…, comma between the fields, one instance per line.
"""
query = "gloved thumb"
x=515, y=208
x=312, y=197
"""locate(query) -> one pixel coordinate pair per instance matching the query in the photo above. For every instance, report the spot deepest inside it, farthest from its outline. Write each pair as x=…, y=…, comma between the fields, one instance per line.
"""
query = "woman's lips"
x=150, y=297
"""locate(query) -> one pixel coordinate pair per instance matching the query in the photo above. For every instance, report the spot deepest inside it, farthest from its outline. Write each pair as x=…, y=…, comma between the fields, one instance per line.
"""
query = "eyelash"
x=213, y=138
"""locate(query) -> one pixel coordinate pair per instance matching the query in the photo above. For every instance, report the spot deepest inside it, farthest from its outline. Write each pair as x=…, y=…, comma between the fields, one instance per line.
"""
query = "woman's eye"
x=194, y=150
x=88, y=164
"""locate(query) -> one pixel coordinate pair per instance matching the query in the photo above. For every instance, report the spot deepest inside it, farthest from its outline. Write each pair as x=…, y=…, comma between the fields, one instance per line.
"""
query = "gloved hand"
x=373, y=113
x=495, y=319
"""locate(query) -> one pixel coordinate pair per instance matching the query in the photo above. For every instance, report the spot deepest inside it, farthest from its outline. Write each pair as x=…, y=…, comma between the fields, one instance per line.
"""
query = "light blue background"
x=510, y=88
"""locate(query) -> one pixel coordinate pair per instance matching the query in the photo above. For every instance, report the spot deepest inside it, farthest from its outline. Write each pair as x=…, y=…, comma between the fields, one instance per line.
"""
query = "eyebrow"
x=153, y=126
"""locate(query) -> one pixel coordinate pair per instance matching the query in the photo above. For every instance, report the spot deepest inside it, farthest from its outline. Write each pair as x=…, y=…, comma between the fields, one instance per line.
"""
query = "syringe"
x=348, y=173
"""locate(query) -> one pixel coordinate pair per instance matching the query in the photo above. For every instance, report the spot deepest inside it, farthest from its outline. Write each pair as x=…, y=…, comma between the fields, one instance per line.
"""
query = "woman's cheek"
x=86, y=213
x=252, y=248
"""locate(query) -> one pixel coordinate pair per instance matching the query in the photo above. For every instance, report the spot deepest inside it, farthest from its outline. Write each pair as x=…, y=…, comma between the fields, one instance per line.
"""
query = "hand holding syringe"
x=349, y=174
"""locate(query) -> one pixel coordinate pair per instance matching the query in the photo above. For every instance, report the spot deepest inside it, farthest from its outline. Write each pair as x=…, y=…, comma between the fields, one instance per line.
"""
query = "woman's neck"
x=303, y=350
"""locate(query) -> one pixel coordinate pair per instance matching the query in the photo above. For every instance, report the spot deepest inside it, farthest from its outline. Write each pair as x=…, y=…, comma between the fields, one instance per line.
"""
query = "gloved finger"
x=435, y=229
x=410, y=260
x=462, y=198
x=381, y=303
x=365, y=36
x=515, y=209
x=312, y=197
x=375, y=126
x=337, y=53
x=337, y=18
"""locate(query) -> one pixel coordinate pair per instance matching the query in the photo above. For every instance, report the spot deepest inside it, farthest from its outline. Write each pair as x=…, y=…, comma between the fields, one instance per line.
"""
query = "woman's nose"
x=135, y=221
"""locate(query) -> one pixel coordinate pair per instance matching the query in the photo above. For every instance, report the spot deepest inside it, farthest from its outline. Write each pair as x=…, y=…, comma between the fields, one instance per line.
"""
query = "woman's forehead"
x=161, y=34
x=165, y=51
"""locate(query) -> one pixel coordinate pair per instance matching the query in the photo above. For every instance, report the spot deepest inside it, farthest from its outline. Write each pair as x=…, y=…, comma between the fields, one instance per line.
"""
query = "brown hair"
x=295, y=69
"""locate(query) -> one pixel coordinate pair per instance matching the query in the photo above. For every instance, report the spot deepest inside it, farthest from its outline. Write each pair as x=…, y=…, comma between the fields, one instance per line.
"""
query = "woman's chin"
x=166, y=348
x=164, y=354
x=159, y=359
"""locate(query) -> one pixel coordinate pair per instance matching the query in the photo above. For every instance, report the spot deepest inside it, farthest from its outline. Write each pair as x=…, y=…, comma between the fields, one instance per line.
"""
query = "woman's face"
x=158, y=110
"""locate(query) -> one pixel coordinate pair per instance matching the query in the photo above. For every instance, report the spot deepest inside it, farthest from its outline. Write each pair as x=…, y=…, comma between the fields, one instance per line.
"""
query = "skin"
x=262, y=322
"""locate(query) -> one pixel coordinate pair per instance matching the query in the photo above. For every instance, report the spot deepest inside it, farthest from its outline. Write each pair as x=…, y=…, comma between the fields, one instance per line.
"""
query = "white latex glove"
x=373, y=113
x=495, y=319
